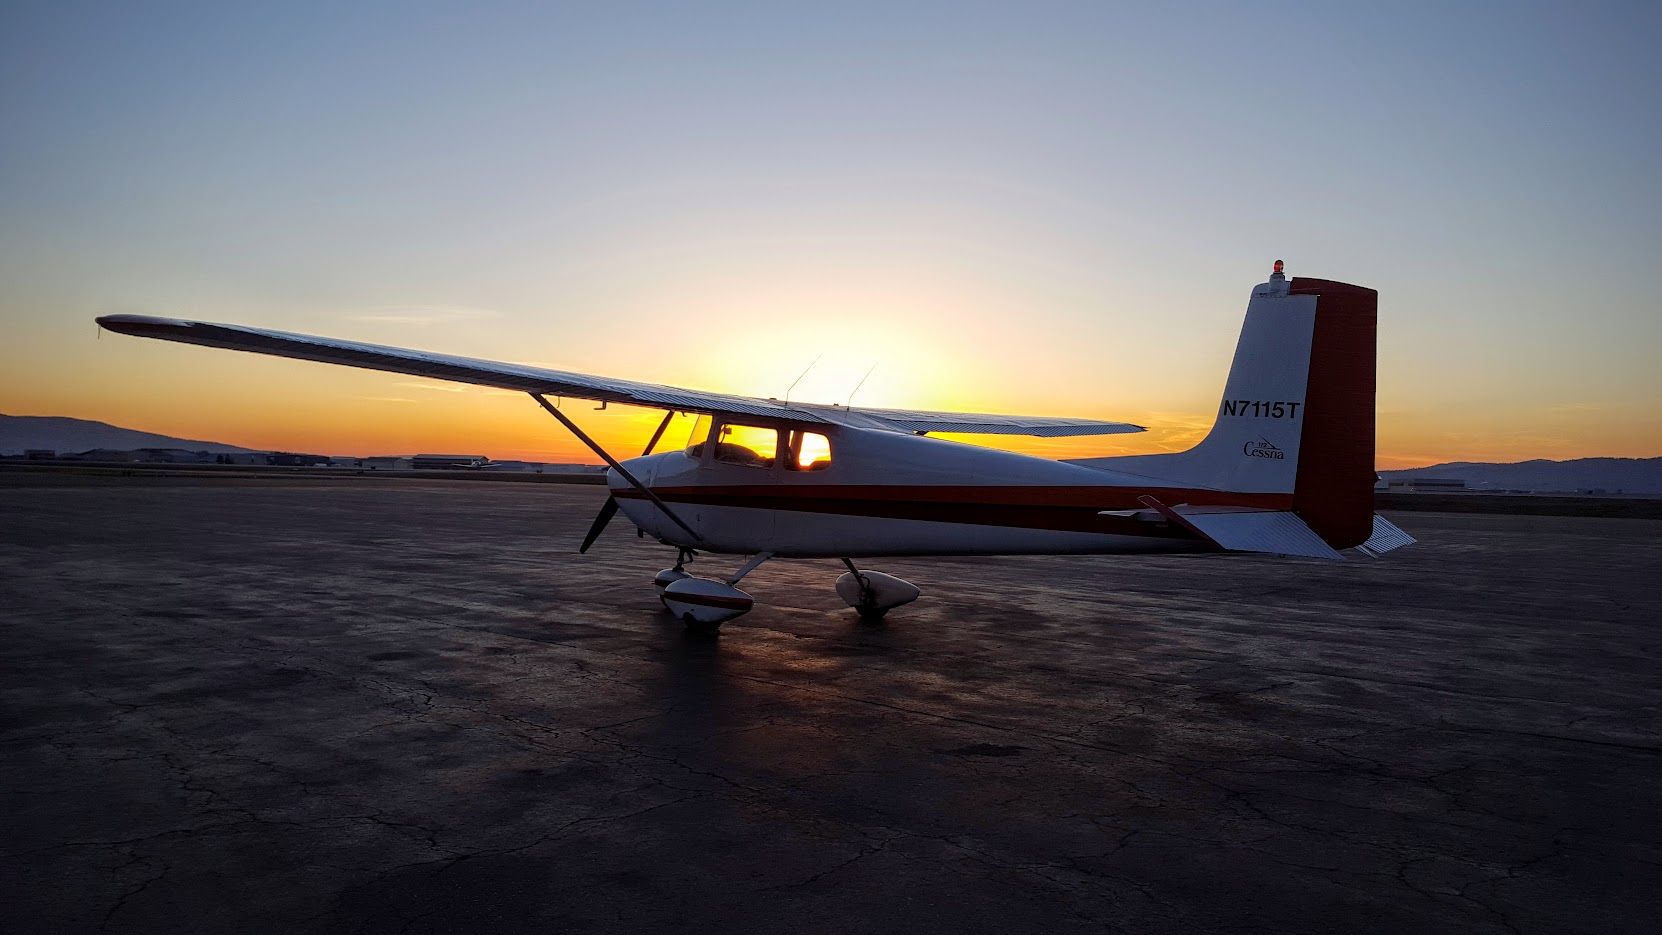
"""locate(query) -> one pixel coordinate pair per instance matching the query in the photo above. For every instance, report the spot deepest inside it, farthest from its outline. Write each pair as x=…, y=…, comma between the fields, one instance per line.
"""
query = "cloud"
x=423, y=314
x=384, y=399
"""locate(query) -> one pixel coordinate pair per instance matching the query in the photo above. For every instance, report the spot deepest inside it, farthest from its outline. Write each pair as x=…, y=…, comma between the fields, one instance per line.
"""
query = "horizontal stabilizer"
x=1386, y=536
x=1277, y=532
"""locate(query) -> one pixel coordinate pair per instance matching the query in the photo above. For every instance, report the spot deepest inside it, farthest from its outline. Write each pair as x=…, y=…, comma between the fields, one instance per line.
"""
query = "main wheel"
x=700, y=627
x=871, y=594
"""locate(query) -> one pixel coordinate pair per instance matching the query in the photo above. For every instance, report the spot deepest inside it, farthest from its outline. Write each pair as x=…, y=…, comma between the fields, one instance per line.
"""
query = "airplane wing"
x=582, y=386
x=973, y=423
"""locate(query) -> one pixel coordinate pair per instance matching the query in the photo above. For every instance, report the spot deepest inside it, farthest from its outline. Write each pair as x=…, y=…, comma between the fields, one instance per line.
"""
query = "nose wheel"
x=704, y=604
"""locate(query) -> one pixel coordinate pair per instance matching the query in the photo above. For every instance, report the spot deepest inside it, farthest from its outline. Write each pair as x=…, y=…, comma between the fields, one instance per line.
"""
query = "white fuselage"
x=886, y=493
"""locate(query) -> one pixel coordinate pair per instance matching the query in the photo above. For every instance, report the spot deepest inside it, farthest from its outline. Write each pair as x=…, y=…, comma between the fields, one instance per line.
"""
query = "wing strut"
x=622, y=471
x=653, y=442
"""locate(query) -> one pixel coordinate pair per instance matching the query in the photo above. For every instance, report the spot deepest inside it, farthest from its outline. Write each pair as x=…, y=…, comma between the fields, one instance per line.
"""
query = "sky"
x=1036, y=208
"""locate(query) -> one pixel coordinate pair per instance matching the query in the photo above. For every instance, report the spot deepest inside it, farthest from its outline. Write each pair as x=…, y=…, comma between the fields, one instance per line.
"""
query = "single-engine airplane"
x=1287, y=469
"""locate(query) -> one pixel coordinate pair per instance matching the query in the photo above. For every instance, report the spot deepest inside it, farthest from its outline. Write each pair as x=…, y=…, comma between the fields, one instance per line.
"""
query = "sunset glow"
x=1064, y=222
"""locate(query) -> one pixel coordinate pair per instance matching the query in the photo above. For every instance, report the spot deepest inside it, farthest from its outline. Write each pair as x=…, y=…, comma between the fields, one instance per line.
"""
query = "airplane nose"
x=636, y=507
x=644, y=469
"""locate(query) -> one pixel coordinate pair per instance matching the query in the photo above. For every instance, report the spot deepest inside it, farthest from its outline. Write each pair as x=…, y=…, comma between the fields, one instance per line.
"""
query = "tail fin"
x=1297, y=415
x=1334, y=489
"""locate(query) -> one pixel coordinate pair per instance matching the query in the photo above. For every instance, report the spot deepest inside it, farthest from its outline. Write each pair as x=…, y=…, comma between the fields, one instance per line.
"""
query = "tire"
x=700, y=627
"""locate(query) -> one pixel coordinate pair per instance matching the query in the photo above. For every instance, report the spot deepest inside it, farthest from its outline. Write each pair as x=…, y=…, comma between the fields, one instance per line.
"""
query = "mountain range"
x=60, y=434
x=1611, y=475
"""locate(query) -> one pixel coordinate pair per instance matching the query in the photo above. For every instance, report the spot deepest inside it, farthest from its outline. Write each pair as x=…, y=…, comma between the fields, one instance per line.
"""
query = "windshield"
x=695, y=438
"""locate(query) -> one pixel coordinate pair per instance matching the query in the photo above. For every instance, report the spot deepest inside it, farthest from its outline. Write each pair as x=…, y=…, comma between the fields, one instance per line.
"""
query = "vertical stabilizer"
x=1297, y=414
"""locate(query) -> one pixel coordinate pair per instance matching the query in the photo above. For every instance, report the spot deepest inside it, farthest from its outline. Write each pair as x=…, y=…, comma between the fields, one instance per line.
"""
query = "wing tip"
x=138, y=324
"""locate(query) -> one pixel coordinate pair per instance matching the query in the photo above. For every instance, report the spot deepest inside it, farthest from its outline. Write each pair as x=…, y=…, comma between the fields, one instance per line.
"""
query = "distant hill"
x=1628, y=475
x=60, y=434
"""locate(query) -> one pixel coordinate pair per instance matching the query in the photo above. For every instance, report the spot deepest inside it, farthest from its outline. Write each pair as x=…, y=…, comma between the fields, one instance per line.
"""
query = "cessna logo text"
x=1263, y=449
x=1261, y=408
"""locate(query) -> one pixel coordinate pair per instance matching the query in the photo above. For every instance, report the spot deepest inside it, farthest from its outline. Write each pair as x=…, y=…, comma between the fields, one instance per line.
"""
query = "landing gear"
x=704, y=604
x=701, y=627
x=856, y=591
x=669, y=576
x=872, y=593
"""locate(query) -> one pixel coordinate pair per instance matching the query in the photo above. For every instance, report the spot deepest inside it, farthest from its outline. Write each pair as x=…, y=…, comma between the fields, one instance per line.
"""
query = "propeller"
x=609, y=508
x=607, y=511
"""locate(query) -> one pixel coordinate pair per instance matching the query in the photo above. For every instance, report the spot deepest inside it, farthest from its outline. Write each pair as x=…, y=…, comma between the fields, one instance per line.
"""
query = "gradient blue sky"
x=1051, y=208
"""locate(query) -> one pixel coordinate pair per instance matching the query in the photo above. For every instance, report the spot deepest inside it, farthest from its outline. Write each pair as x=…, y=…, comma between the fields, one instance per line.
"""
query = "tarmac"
x=351, y=706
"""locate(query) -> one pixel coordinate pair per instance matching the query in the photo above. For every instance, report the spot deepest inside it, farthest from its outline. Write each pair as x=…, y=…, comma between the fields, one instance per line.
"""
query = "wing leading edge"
x=582, y=386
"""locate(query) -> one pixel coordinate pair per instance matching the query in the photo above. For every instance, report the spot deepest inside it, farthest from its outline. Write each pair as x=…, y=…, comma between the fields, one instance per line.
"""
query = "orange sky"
x=964, y=335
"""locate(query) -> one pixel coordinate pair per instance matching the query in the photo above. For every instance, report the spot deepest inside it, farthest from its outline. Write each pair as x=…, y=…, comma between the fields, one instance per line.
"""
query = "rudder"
x=1334, y=488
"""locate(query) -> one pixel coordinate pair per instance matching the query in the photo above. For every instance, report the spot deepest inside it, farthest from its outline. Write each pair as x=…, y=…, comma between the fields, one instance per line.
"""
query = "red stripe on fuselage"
x=1063, y=509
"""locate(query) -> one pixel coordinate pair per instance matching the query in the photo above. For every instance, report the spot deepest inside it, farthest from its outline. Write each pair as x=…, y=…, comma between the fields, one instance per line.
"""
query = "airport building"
x=448, y=462
x=1428, y=485
x=292, y=459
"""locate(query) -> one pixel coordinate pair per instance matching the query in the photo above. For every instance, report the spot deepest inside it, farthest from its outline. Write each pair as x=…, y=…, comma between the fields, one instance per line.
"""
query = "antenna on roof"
x=850, y=403
x=799, y=377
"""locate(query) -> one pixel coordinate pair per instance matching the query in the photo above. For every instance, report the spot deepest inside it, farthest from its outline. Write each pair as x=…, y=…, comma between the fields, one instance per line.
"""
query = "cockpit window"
x=696, y=438
x=807, y=451
x=760, y=446
x=749, y=445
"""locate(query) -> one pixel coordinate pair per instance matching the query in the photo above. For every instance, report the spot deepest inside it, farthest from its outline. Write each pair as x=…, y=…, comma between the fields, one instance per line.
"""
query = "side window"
x=750, y=445
x=807, y=451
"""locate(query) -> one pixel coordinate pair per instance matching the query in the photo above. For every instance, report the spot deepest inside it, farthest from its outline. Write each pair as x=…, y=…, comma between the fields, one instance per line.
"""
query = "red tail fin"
x=1334, y=490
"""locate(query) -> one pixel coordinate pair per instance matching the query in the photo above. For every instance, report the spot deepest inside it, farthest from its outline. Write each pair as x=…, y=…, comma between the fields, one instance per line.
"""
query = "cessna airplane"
x=1287, y=469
